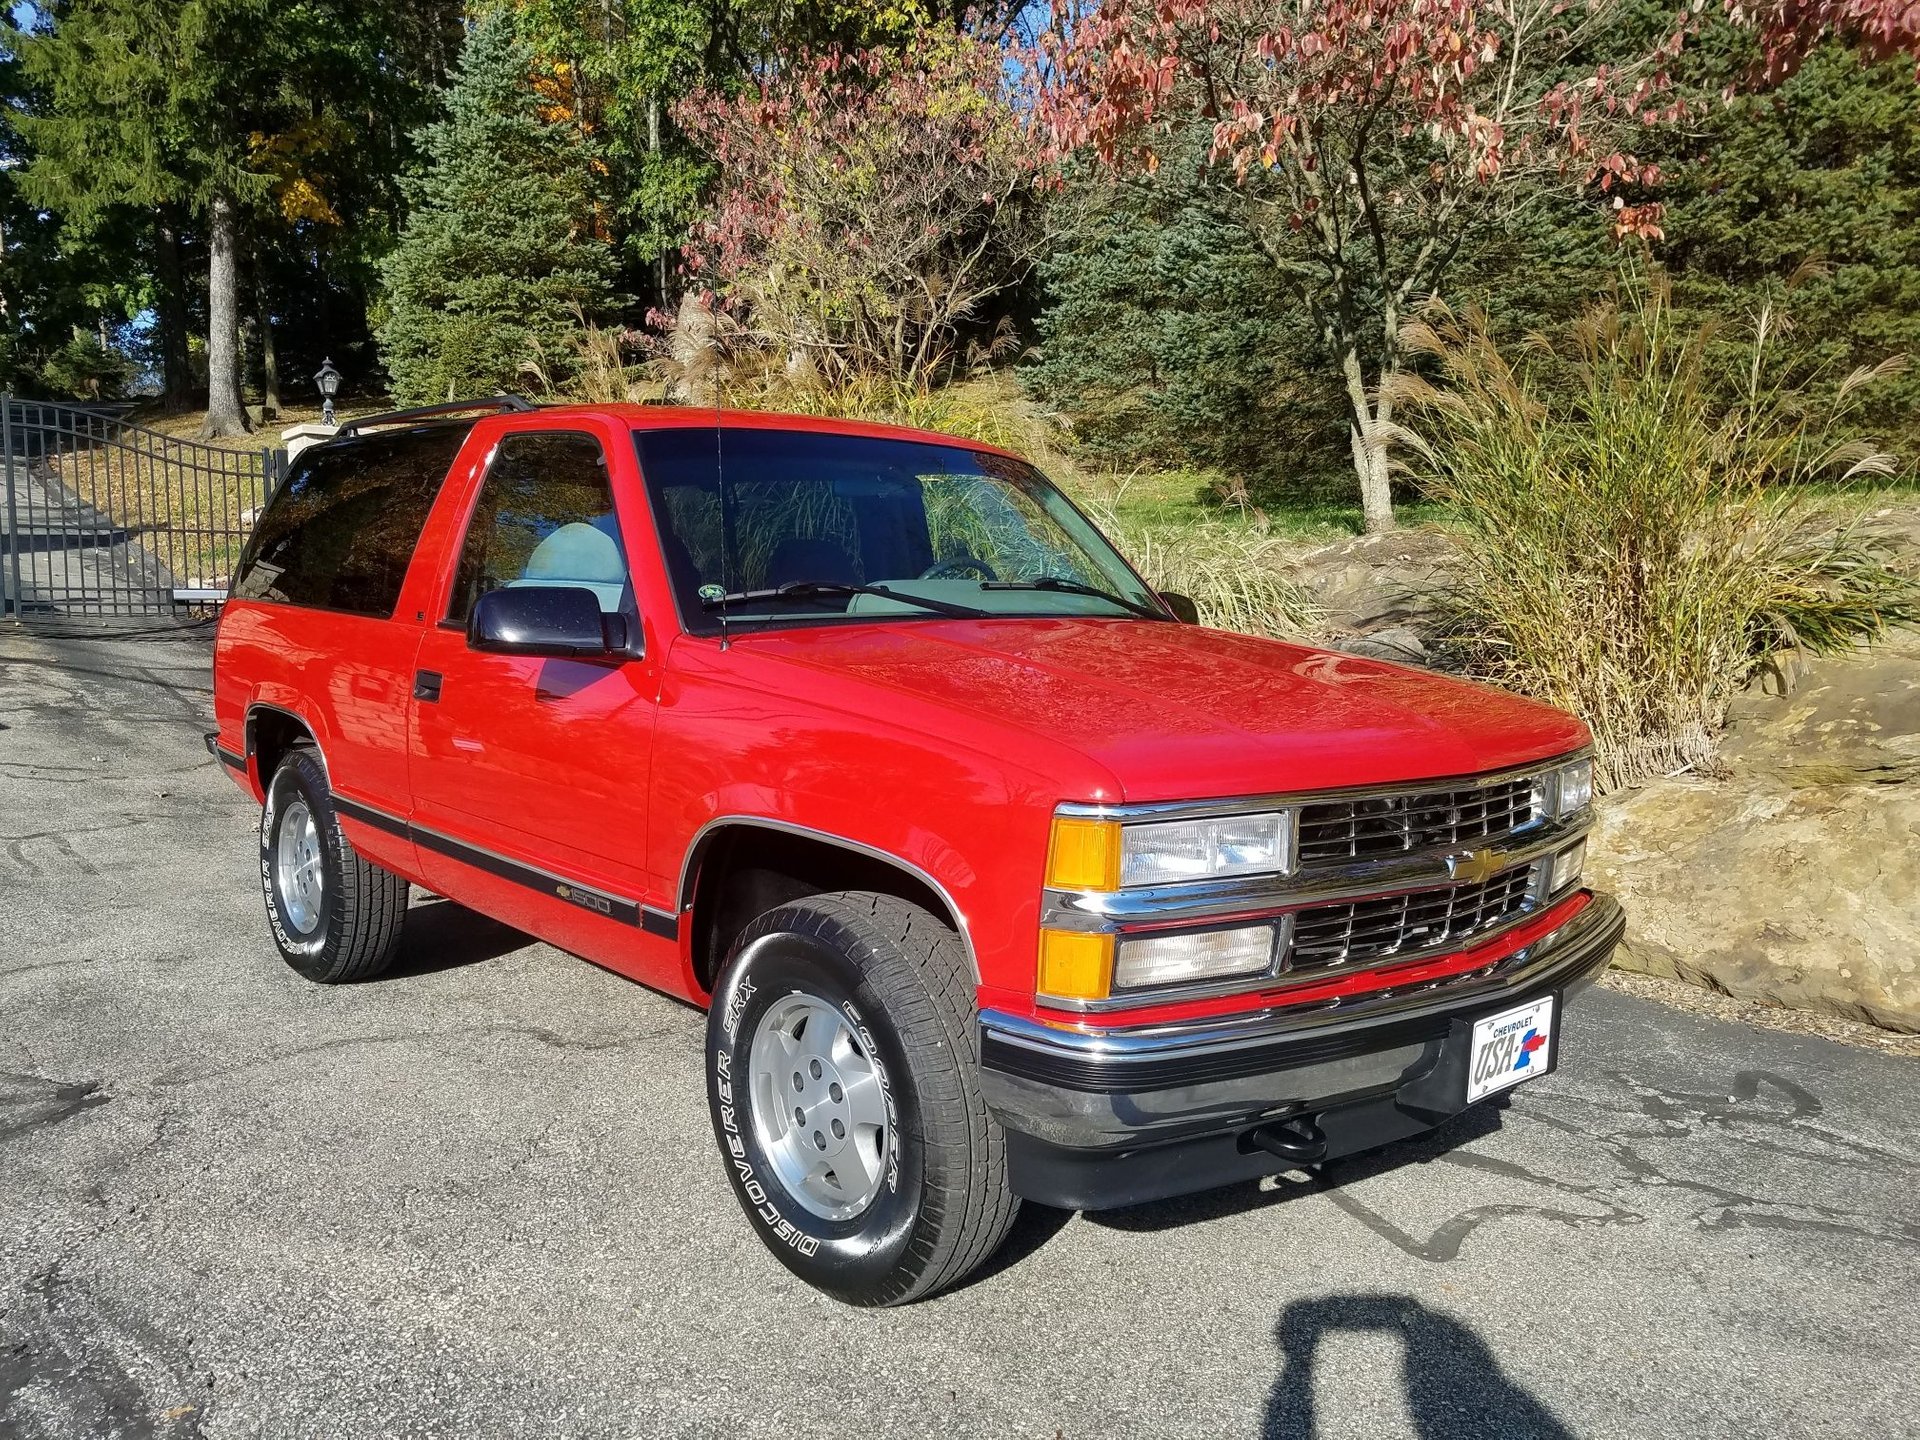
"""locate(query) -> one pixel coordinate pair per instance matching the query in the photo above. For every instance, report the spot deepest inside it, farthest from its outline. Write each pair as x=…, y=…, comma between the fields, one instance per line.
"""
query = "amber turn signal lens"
x=1075, y=965
x=1084, y=854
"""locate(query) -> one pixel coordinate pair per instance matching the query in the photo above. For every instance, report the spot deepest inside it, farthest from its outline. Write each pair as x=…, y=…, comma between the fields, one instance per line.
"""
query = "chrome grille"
x=1336, y=830
x=1358, y=932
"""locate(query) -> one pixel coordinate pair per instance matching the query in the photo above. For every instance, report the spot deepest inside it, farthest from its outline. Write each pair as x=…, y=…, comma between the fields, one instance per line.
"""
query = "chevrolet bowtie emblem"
x=1473, y=867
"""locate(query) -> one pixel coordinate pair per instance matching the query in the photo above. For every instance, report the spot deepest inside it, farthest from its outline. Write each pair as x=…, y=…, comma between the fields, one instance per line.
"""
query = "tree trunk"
x=225, y=414
x=176, y=373
x=269, y=357
x=1366, y=431
x=653, y=149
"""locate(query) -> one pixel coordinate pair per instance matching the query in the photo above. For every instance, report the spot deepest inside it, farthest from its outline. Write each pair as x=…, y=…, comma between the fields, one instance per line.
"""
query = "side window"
x=544, y=517
x=340, y=531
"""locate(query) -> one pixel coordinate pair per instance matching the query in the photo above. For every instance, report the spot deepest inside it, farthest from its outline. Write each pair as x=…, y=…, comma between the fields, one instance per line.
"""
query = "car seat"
x=583, y=555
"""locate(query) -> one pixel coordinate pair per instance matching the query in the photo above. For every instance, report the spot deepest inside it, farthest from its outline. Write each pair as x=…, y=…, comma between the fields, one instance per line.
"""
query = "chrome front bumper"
x=1116, y=1092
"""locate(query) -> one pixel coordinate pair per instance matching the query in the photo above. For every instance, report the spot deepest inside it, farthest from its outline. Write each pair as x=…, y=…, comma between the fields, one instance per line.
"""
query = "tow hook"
x=1298, y=1140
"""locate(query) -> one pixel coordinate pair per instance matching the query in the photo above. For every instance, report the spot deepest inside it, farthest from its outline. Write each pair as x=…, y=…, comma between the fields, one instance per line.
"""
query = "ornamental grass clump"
x=1231, y=570
x=1641, y=535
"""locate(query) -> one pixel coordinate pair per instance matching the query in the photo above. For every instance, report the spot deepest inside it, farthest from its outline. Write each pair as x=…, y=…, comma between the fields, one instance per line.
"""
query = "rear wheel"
x=335, y=917
x=842, y=1083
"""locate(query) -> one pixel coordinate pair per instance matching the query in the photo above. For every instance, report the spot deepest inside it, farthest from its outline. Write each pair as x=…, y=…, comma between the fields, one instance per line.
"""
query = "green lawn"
x=1161, y=498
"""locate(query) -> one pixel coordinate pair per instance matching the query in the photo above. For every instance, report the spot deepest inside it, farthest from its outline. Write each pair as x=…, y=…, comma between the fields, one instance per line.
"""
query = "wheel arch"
x=728, y=849
x=272, y=730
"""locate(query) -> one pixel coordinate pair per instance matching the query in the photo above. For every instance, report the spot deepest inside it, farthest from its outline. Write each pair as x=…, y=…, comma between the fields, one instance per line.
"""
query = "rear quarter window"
x=340, y=531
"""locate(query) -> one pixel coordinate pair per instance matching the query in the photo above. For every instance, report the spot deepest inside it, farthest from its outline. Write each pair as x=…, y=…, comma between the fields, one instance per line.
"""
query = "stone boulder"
x=1376, y=592
x=1844, y=722
x=1794, y=878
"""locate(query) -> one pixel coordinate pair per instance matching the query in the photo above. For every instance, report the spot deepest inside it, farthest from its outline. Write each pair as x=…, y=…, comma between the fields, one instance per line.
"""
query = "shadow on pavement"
x=440, y=935
x=1455, y=1389
x=1037, y=1224
x=1483, y=1119
x=1032, y=1228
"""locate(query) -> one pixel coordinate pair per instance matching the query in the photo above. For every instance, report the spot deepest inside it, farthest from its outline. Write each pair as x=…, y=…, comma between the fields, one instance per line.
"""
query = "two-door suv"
x=1000, y=878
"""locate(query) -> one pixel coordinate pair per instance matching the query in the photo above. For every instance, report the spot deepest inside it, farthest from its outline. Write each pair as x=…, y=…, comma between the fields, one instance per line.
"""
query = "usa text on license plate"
x=1512, y=1046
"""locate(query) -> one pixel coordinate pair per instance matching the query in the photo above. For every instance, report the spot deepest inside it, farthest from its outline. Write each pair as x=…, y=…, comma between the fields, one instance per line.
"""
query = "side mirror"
x=545, y=620
x=1183, y=608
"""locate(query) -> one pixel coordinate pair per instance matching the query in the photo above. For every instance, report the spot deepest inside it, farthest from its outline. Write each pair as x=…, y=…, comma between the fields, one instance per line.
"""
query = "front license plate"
x=1512, y=1046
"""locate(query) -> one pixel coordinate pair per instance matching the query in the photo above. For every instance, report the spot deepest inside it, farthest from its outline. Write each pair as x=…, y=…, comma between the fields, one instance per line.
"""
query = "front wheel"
x=844, y=1096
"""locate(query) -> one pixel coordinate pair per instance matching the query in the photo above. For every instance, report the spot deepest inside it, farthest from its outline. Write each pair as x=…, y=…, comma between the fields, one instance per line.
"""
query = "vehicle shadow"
x=1037, y=1224
x=1463, y=1129
x=442, y=935
x=1032, y=1228
x=1454, y=1387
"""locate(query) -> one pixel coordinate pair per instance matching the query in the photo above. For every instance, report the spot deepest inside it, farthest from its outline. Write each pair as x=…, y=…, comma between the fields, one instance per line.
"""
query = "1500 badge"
x=585, y=899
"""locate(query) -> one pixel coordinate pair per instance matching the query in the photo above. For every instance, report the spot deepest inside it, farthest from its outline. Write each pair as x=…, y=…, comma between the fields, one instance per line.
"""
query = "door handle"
x=426, y=686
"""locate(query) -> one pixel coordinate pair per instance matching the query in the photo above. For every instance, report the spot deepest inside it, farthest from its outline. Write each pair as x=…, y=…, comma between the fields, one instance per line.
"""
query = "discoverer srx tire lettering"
x=891, y=985
x=759, y=1205
x=754, y=1193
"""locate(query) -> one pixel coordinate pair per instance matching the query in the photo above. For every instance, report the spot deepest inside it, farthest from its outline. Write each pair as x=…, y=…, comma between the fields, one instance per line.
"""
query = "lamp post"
x=329, y=382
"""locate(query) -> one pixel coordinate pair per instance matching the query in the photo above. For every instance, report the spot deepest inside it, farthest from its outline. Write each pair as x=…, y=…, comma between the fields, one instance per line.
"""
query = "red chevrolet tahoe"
x=1000, y=878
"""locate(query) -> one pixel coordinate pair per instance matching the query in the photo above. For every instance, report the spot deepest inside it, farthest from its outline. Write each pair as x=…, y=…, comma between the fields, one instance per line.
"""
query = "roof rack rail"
x=500, y=403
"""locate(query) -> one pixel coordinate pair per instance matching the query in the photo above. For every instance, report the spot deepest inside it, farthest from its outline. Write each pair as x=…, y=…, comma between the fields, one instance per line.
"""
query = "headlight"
x=1573, y=788
x=1566, y=867
x=1154, y=960
x=1203, y=849
x=1094, y=854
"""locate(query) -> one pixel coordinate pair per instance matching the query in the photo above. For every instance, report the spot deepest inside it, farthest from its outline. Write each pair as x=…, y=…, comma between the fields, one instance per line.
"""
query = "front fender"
x=907, y=788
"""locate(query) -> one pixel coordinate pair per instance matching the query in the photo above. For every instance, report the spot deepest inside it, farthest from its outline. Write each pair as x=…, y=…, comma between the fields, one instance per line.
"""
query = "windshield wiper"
x=814, y=589
x=1074, y=587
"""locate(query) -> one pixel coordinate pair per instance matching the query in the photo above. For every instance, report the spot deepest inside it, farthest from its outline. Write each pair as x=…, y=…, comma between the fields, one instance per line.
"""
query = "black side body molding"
x=225, y=756
x=628, y=912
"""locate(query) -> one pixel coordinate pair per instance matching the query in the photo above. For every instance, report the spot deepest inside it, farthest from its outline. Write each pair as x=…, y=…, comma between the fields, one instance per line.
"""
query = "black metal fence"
x=104, y=518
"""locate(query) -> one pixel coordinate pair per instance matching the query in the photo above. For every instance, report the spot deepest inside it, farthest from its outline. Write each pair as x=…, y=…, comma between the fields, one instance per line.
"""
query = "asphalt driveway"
x=479, y=1196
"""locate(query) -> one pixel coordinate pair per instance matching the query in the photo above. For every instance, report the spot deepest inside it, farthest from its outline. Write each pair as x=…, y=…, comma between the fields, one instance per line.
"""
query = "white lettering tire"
x=857, y=990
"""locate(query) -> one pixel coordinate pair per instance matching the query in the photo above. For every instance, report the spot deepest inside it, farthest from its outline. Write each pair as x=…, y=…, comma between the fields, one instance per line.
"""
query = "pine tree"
x=149, y=104
x=57, y=287
x=1805, y=197
x=500, y=257
x=220, y=116
x=1171, y=339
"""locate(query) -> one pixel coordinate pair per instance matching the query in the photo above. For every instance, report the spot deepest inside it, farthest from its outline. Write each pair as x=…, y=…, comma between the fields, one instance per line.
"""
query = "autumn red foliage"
x=870, y=203
x=1790, y=28
x=1368, y=138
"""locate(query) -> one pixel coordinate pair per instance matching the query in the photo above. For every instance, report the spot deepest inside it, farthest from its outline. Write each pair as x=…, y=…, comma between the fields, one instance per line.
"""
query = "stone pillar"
x=299, y=437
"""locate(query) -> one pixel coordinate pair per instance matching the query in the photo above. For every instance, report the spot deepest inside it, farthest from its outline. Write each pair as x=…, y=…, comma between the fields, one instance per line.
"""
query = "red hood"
x=1179, y=712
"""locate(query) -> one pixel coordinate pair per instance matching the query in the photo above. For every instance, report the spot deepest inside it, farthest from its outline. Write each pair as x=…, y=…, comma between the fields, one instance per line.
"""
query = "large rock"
x=1795, y=877
x=1376, y=582
x=1845, y=722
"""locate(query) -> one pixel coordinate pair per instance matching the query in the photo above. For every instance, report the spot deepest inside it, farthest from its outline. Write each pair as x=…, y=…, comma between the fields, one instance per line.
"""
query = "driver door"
x=530, y=774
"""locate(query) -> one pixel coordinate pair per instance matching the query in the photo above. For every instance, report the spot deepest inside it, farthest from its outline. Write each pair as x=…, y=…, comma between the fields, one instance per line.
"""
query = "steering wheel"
x=959, y=567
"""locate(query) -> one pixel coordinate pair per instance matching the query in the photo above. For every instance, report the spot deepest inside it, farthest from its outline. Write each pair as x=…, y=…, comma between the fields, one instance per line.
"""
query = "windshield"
x=782, y=527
